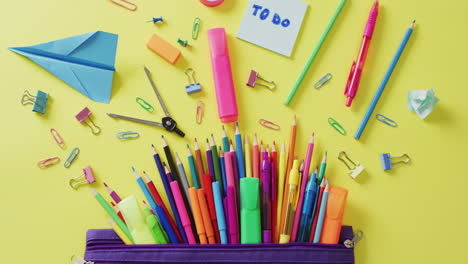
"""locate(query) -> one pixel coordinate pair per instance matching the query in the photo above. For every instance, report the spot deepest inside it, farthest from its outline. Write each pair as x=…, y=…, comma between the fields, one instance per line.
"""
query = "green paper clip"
x=196, y=28
x=128, y=135
x=144, y=104
x=336, y=126
x=386, y=120
x=73, y=154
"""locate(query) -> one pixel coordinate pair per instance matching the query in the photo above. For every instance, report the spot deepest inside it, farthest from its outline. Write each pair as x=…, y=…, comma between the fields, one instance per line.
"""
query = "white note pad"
x=273, y=24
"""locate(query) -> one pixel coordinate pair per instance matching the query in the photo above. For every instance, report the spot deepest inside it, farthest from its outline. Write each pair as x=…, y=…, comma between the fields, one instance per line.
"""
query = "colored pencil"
x=183, y=175
x=117, y=211
x=234, y=167
x=321, y=216
x=266, y=198
x=119, y=232
x=248, y=159
x=171, y=163
x=225, y=140
x=281, y=184
x=193, y=169
x=217, y=169
x=310, y=150
x=255, y=158
x=211, y=205
x=197, y=215
x=199, y=162
x=323, y=168
x=317, y=210
x=239, y=153
x=209, y=160
x=223, y=172
x=112, y=193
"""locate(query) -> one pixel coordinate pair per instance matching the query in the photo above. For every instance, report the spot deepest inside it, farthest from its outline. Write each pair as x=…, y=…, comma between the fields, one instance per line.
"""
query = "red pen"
x=356, y=69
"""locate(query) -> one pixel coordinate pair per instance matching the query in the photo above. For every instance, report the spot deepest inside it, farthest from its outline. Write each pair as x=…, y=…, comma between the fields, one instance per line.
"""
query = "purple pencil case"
x=103, y=246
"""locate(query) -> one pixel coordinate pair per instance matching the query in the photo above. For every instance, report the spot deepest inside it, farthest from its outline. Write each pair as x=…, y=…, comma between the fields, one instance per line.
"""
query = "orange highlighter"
x=206, y=216
x=334, y=215
x=197, y=215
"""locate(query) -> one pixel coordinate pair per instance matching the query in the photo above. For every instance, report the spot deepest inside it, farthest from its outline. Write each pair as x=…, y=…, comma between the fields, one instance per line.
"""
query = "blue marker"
x=223, y=171
x=220, y=212
x=239, y=153
x=309, y=198
x=321, y=216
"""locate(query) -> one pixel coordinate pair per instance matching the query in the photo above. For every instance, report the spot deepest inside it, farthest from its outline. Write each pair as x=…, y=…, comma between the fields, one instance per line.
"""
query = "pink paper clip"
x=86, y=178
x=252, y=81
x=48, y=162
x=125, y=4
x=83, y=116
x=269, y=124
x=56, y=136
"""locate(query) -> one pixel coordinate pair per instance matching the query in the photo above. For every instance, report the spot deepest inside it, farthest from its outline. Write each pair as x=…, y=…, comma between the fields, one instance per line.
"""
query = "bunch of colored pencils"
x=206, y=207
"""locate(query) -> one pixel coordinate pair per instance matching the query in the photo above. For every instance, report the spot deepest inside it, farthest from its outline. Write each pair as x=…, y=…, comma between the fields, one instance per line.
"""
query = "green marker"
x=152, y=222
x=250, y=211
x=314, y=53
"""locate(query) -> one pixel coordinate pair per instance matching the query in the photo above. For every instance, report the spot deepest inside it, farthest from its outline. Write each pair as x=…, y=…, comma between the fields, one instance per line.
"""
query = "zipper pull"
x=351, y=243
x=78, y=260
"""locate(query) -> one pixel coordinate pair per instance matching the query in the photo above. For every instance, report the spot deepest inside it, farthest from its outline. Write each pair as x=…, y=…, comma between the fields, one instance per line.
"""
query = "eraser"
x=163, y=49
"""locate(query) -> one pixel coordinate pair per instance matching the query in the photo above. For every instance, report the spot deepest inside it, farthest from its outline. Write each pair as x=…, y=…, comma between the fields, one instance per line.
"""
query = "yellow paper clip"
x=196, y=28
x=73, y=154
x=56, y=136
x=125, y=4
x=199, y=112
x=48, y=162
x=269, y=124
x=144, y=104
x=128, y=135
x=323, y=81
x=386, y=120
x=336, y=126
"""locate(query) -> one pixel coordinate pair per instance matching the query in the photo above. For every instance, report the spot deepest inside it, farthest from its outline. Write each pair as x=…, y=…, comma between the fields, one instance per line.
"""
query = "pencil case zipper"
x=104, y=247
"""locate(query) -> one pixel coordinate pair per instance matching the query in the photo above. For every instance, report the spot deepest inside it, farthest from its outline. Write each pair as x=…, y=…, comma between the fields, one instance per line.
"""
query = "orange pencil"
x=199, y=162
x=255, y=158
x=206, y=216
x=334, y=215
x=197, y=215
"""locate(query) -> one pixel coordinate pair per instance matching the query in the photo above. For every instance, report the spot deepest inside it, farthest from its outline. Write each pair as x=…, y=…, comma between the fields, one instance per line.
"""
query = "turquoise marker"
x=321, y=216
x=219, y=212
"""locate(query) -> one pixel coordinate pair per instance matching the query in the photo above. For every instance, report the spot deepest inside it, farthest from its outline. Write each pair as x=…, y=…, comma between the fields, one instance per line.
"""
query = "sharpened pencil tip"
x=105, y=184
x=133, y=169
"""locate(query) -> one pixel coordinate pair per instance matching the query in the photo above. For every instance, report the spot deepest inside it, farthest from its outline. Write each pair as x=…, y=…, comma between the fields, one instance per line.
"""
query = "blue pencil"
x=321, y=216
x=180, y=227
x=381, y=88
x=239, y=153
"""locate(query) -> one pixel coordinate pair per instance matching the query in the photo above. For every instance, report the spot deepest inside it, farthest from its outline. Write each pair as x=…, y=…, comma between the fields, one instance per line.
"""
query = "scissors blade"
x=161, y=102
x=136, y=120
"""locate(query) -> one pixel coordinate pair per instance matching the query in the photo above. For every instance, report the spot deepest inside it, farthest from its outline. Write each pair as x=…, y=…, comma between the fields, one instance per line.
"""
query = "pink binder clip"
x=252, y=81
x=83, y=116
x=86, y=178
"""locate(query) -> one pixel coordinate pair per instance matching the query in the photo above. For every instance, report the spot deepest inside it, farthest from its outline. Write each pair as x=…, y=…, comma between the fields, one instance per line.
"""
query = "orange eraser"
x=334, y=215
x=163, y=49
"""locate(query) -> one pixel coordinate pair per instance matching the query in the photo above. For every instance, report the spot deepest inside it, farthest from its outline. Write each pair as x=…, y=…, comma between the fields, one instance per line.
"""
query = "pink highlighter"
x=222, y=75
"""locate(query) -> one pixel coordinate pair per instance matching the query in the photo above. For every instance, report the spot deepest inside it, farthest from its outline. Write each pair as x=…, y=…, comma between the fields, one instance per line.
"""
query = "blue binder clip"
x=387, y=163
x=194, y=86
x=39, y=101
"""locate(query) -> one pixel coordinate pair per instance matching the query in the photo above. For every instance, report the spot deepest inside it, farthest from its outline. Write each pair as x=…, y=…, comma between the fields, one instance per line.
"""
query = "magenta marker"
x=222, y=75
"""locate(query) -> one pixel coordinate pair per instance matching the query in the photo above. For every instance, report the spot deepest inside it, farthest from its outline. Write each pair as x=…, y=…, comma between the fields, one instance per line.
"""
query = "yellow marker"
x=281, y=173
x=248, y=154
x=119, y=232
x=291, y=203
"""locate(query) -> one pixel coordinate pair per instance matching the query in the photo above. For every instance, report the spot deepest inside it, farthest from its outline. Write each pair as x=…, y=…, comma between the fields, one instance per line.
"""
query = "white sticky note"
x=273, y=24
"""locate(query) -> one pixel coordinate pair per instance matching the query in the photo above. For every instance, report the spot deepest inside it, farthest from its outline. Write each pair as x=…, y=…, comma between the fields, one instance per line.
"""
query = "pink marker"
x=233, y=215
x=182, y=212
x=222, y=75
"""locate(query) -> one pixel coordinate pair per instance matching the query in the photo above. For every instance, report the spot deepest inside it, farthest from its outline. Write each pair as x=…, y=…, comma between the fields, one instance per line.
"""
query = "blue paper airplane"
x=85, y=62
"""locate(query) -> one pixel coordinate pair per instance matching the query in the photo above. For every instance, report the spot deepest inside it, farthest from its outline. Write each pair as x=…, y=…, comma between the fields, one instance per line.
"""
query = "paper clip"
x=323, y=80
x=73, y=154
x=128, y=135
x=39, y=101
x=269, y=124
x=196, y=28
x=56, y=136
x=386, y=120
x=144, y=104
x=336, y=126
x=252, y=81
x=125, y=4
x=193, y=86
x=353, y=171
x=199, y=112
x=86, y=178
x=83, y=115
x=48, y=162
x=387, y=163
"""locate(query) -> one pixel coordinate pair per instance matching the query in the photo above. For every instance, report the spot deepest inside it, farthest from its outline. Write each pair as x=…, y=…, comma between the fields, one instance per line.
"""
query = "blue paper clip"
x=323, y=80
x=386, y=120
x=193, y=86
x=128, y=135
x=387, y=163
x=73, y=154
x=336, y=126
x=39, y=101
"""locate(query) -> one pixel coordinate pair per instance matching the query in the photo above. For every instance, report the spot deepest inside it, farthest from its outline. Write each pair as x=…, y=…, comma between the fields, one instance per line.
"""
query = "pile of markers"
x=239, y=195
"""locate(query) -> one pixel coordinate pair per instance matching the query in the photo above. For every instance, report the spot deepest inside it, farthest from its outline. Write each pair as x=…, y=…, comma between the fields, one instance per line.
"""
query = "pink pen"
x=266, y=199
x=222, y=75
x=297, y=217
x=233, y=218
x=182, y=212
x=356, y=69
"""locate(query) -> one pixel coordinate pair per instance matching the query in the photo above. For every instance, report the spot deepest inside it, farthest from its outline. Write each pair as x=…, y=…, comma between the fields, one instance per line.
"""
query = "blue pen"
x=309, y=198
x=381, y=88
x=220, y=212
x=180, y=227
x=166, y=225
x=223, y=169
x=239, y=153
x=321, y=216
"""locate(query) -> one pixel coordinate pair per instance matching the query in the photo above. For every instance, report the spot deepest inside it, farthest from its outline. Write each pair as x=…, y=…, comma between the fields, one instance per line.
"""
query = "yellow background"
x=413, y=214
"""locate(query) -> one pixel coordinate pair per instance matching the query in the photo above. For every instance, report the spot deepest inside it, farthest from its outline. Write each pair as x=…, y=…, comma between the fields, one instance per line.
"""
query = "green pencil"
x=323, y=167
x=314, y=53
x=217, y=168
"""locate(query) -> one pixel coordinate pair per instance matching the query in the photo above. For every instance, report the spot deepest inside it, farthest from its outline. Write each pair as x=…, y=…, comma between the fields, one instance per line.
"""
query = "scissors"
x=167, y=122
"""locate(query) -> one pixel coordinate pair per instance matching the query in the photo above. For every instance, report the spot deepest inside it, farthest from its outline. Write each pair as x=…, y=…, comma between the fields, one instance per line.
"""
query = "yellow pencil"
x=248, y=154
x=119, y=232
x=279, y=203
